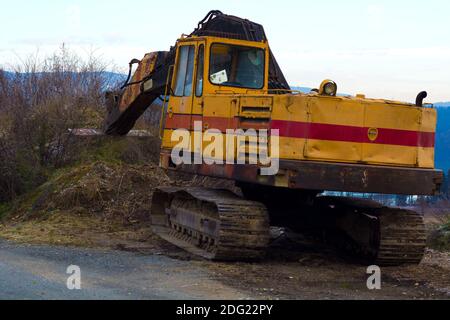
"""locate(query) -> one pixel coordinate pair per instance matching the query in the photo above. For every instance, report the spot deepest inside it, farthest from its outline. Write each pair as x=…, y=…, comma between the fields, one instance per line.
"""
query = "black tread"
x=243, y=225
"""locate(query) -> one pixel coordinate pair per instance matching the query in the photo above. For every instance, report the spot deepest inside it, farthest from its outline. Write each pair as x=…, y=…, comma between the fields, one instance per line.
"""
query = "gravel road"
x=289, y=272
x=39, y=272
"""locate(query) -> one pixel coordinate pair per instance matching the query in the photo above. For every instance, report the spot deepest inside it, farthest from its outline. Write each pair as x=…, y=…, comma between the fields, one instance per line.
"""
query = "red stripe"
x=331, y=132
x=182, y=121
x=405, y=138
x=316, y=131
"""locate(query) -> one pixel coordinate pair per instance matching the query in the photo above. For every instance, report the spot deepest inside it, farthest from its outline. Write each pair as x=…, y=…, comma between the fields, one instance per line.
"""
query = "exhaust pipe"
x=420, y=97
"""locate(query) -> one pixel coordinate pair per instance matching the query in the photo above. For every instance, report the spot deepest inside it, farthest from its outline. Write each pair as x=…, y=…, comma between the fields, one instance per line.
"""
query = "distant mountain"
x=308, y=90
x=7, y=74
x=302, y=89
x=442, y=104
x=114, y=77
x=111, y=79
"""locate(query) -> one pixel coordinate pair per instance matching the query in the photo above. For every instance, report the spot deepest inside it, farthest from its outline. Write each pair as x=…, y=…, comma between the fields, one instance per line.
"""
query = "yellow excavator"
x=221, y=85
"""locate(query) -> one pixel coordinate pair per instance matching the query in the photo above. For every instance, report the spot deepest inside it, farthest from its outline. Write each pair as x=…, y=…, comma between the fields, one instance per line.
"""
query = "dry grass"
x=69, y=229
x=62, y=228
x=100, y=204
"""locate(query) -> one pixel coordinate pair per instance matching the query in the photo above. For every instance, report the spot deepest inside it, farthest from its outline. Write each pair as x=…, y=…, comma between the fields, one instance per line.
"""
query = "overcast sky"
x=391, y=49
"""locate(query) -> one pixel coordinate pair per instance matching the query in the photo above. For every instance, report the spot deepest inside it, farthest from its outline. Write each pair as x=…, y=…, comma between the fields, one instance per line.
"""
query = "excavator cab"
x=208, y=76
x=210, y=65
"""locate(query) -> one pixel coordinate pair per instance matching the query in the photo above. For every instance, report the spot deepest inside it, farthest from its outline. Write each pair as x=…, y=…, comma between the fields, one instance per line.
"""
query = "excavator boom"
x=154, y=71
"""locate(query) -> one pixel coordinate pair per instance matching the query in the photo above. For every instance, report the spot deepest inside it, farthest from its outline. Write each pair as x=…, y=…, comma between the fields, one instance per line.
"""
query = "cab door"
x=181, y=99
x=197, y=97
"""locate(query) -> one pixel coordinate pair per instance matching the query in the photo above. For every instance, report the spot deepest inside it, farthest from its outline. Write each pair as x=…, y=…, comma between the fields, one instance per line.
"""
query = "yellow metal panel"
x=220, y=106
x=291, y=149
x=334, y=111
x=327, y=110
x=330, y=110
x=180, y=105
x=389, y=154
x=429, y=120
x=166, y=141
x=256, y=101
x=333, y=150
x=290, y=108
x=392, y=117
x=425, y=157
x=376, y=153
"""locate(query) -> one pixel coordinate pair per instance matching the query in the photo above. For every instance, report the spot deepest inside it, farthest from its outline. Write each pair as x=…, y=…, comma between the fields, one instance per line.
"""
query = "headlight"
x=328, y=88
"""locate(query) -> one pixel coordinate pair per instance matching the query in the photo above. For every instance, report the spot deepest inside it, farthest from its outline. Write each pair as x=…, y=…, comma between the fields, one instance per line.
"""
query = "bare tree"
x=38, y=104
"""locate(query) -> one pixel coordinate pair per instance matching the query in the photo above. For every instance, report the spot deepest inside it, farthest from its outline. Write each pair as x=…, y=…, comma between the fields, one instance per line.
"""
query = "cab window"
x=237, y=66
x=200, y=69
x=185, y=71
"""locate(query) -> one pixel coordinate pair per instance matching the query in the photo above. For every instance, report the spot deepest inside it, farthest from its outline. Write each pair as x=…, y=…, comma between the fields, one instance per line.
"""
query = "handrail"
x=275, y=90
x=166, y=101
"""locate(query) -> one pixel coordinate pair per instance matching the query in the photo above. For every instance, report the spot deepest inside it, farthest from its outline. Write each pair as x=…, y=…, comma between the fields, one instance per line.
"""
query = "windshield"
x=237, y=66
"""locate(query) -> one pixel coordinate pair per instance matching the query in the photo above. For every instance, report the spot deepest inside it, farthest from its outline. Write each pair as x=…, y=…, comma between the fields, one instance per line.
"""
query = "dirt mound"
x=112, y=191
x=98, y=204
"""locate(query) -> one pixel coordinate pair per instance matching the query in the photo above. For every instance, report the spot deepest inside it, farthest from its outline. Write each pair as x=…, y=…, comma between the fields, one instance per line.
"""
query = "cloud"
x=376, y=16
x=73, y=18
x=412, y=52
x=394, y=73
x=114, y=37
x=375, y=10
